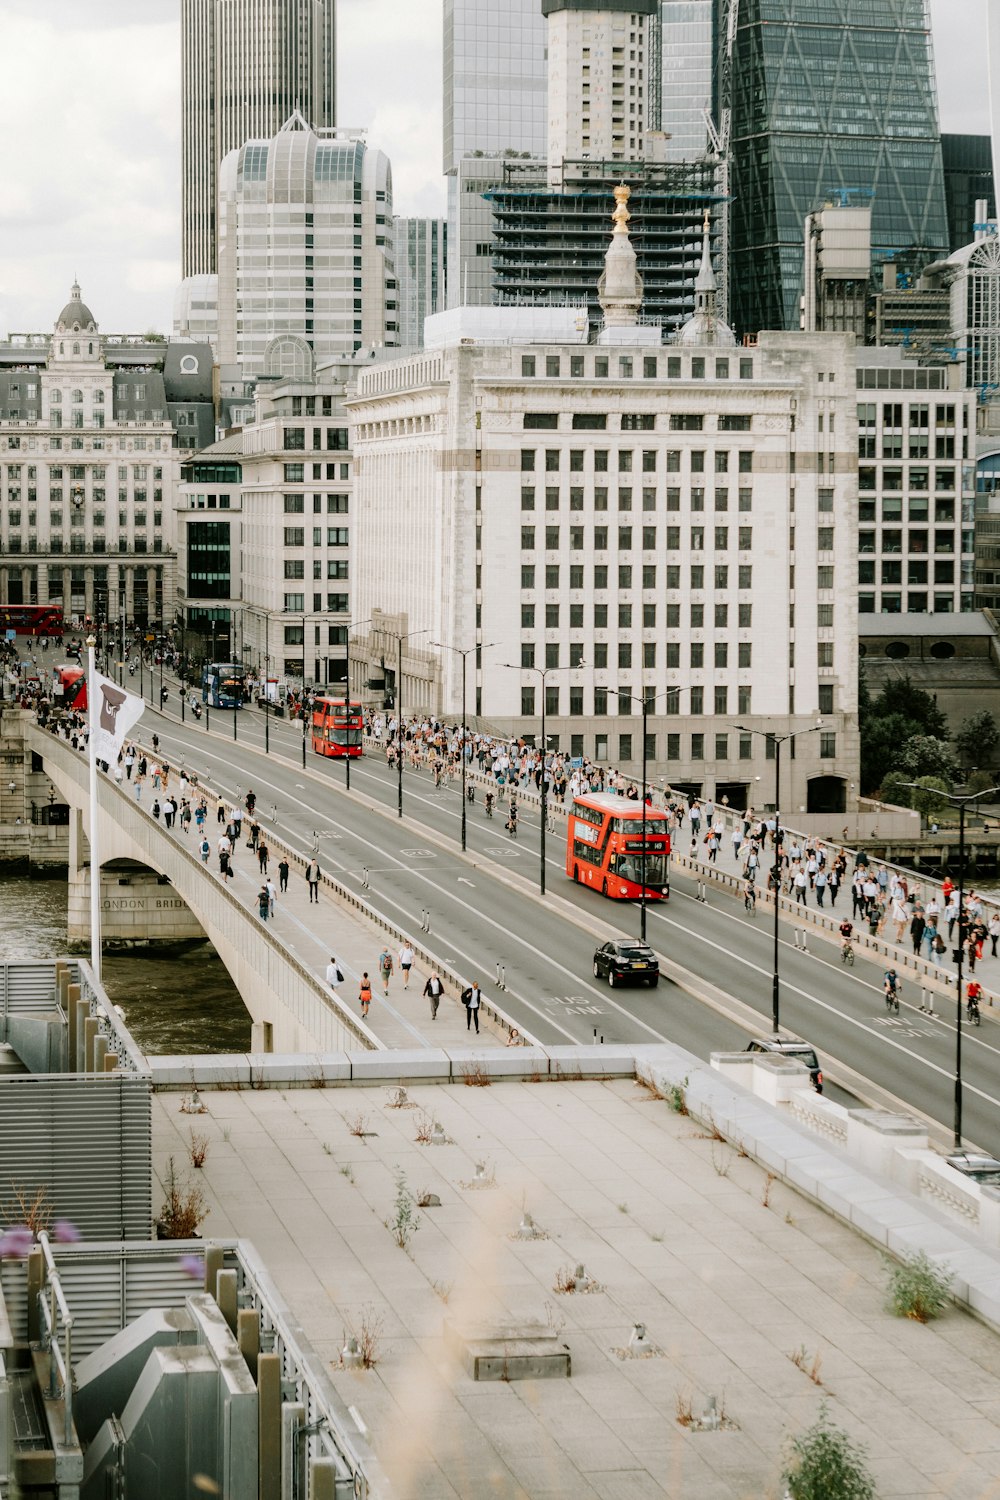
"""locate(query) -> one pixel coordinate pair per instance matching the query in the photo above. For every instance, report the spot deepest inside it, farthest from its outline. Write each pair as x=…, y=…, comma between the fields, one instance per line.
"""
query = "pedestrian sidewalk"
x=313, y=932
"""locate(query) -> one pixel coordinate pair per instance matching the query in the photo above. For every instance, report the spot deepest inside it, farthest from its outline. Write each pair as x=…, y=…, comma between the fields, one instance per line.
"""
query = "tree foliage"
x=976, y=739
x=900, y=714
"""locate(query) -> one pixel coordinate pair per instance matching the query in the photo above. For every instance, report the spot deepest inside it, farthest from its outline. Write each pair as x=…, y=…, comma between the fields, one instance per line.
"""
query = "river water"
x=179, y=1004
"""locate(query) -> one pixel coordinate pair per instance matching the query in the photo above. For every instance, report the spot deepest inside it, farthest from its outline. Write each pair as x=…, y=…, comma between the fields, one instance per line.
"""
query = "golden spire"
x=621, y=215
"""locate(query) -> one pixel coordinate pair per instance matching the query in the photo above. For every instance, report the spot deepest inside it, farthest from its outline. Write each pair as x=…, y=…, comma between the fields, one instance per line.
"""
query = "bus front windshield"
x=629, y=867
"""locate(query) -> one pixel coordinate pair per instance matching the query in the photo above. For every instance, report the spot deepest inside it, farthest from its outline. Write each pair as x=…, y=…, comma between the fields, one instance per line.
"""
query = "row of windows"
x=335, y=603
x=598, y=367
x=598, y=421
x=133, y=442
x=648, y=651
x=743, y=576
x=916, y=572
x=336, y=505
x=554, y=498
x=598, y=537
x=622, y=701
x=80, y=544
x=916, y=541
x=336, y=536
x=916, y=604
x=649, y=460
x=743, y=615
x=296, y=473
x=295, y=567
x=336, y=439
x=98, y=472
x=699, y=746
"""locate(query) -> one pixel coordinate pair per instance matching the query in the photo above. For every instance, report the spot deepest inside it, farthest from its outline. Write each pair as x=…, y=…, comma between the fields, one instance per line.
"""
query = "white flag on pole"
x=113, y=712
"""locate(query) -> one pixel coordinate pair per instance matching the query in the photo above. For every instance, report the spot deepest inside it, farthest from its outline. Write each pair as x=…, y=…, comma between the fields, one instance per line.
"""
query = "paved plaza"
x=733, y=1273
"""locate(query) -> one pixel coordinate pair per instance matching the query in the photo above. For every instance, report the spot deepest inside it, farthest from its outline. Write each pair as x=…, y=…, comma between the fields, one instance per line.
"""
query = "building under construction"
x=549, y=245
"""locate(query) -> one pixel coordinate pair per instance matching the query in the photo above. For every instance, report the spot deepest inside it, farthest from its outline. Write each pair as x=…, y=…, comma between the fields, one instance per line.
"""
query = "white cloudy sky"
x=90, y=183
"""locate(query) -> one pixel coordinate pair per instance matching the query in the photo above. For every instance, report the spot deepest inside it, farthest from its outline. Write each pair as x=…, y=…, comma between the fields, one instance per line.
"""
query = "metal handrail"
x=50, y=1299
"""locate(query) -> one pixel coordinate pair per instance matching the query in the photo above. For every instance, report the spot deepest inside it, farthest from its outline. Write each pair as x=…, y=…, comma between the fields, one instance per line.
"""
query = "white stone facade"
x=631, y=521
x=305, y=249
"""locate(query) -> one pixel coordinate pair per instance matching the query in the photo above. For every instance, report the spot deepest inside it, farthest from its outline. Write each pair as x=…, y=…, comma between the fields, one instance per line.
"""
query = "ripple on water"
x=185, y=1003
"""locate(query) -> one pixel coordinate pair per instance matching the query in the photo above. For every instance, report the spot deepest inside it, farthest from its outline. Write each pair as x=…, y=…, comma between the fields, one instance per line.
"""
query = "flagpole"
x=95, y=863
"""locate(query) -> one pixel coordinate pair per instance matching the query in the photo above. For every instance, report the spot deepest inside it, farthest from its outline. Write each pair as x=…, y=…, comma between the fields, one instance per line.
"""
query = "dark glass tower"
x=826, y=95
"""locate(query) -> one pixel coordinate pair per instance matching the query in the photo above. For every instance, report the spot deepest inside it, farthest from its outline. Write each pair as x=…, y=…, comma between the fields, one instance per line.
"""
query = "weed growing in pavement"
x=199, y=1149
x=770, y=1178
x=823, y=1462
x=405, y=1221
x=919, y=1289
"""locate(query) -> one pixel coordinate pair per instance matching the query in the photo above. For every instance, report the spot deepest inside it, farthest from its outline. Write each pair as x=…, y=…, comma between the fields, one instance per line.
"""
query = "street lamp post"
x=399, y=724
x=463, y=652
x=961, y=802
x=777, y=740
x=543, y=673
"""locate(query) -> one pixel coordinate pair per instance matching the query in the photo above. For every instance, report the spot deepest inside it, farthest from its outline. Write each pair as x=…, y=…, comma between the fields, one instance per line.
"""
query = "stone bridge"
x=153, y=886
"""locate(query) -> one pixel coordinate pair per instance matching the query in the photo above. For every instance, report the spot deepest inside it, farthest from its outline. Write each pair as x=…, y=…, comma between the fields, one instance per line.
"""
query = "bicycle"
x=750, y=900
x=972, y=1013
x=892, y=998
x=488, y=804
x=847, y=953
x=512, y=826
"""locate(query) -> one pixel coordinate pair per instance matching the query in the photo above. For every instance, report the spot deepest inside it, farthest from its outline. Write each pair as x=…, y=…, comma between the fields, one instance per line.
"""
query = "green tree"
x=899, y=696
x=824, y=1464
x=925, y=755
x=927, y=801
x=888, y=723
x=896, y=789
x=976, y=739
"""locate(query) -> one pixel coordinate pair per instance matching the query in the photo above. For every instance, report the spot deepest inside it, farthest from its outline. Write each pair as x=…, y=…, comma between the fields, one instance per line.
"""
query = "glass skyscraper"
x=494, y=78
x=686, y=70
x=246, y=65
x=827, y=95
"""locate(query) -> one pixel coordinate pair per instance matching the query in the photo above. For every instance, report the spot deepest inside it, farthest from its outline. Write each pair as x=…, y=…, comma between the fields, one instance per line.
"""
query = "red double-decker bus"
x=337, y=727
x=32, y=619
x=605, y=848
x=69, y=686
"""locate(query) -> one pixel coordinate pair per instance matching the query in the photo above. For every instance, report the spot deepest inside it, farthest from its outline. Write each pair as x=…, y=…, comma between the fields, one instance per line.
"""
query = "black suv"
x=625, y=959
x=786, y=1047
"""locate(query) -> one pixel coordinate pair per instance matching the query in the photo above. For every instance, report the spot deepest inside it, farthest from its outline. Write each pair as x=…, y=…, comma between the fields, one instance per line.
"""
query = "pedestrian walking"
x=917, y=924
x=283, y=874
x=334, y=974
x=994, y=933
x=156, y=808
x=262, y=857
x=365, y=993
x=385, y=968
x=472, y=999
x=312, y=879
x=800, y=881
x=434, y=989
x=820, y=884
x=406, y=957
x=263, y=903
x=204, y=850
x=271, y=893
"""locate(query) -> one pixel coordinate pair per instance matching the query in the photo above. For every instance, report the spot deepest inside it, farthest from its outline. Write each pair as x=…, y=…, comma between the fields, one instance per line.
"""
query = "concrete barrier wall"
x=276, y=988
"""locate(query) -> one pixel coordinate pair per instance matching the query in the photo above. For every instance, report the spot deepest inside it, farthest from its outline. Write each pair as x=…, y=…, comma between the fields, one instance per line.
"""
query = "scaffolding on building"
x=549, y=246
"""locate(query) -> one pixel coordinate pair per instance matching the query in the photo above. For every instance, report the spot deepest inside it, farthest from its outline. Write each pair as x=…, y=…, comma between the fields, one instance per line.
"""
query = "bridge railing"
x=320, y=1013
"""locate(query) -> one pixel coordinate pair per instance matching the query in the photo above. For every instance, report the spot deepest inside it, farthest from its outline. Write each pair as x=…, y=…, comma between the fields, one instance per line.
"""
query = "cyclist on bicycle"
x=891, y=987
x=488, y=804
x=972, y=996
x=750, y=895
x=512, y=819
x=846, y=933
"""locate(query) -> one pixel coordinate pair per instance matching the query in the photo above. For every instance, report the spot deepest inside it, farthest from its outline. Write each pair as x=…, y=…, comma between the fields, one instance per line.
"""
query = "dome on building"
x=705, y=326
x=76, y=313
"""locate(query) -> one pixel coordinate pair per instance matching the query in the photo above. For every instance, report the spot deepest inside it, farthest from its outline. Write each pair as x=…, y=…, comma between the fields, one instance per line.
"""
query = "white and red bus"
x=337, y=727
x=605, y=847
x=69, y=686
x=32, y=619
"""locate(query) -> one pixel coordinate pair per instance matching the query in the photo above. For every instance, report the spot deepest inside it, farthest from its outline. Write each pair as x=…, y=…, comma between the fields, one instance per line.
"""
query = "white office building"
x=305, y=247
x=618, y=521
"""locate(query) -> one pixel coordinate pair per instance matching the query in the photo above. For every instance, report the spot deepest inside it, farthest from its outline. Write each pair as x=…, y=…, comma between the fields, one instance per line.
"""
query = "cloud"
x=91, y=111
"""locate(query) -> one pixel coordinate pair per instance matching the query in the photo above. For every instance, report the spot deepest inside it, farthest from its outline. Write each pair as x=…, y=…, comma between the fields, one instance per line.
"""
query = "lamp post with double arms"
x=543, y=673
x=464, y=652
x=408, y=636
x=777, y=740
x=645, y=701
x=961, y=801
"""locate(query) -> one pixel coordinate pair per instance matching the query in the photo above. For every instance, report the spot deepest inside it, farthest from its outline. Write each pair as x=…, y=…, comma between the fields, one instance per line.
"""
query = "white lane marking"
x=852, y=1020
x=482, y=916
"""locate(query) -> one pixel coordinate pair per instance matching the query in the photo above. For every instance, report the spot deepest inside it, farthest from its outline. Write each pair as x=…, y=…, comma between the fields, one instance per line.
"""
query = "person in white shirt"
x=406, y=957
x=334, y=974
